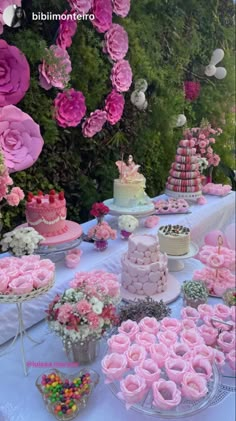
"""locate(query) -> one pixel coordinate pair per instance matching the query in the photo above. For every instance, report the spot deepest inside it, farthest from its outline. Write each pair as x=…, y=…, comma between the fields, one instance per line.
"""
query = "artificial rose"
x=145, y=339
x=94, y=123
x=202, y=367
x=159, y=353
x=121, y=76
x=118, y=343
x=222, y=311
x=4, y=4
x=205, y=310
x=168, y=337
x=14, y=74
x=70, y=108
x=170, y=324
x=102, y=11
x=116, y=42
x=135, y=355
x=80, y=6
x=192, y=90
x=226, y=341
x=191, y=338
x=219, y=357
x=13, y=199
x=20, y=138
x=205, y=352
x=67, y=30
x=55, y=68
x=129, y=328
x=114, y=106
x=121, y=7
x=190, y=313
x=209, y=334
x=180, y=350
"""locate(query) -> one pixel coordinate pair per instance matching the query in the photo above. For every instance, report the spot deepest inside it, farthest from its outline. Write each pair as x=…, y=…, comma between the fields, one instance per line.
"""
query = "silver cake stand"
x=140, y=211
x=175, y=263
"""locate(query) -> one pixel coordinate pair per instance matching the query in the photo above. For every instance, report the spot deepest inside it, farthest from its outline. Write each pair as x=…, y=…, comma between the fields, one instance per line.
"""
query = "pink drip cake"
x=144, y=268
x=47, y=213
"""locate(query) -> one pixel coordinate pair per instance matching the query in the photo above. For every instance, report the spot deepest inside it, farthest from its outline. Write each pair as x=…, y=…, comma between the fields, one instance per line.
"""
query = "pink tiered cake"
x=47, y=213
x=144, y=268
x=184, y=176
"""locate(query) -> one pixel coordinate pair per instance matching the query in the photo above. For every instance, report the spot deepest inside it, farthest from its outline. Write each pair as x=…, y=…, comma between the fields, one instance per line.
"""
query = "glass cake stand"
x=138, y=211
x=175, y=263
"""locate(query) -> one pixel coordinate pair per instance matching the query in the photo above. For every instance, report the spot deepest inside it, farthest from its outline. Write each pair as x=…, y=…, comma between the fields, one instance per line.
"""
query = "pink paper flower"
x=64, y=313
x=14, y=75
x=149, y=324
x=119, y=343
x=165, y=394
x=135, y=355
x=121, y=76
x=209, y=334
x=191, y=337
x=114, y=107
x=20, y=138
x=94, y=123
x=152, y=221
x=129, y=328
x=116, y=42
x=159, y=353
x=145, y=339
x=149, y=371
x=202, y=367
x=80, y=6
x=192, y=90
x=114, y=366
x=216, y=260
x=189, y=313
x=168, y=337
x=70, y=108
x=133, y=389
x=102, y=10
x=222, y=311
x=194, y=386
x=176, y=368
x=84, y=307
x=67, y=30
x=55, y=68
x=226, y=341
x=171, y=324
x=231, y=358
x=121, y=7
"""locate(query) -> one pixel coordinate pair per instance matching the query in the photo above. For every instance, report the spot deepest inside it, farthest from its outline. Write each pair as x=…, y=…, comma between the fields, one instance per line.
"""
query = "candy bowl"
x=65, y=395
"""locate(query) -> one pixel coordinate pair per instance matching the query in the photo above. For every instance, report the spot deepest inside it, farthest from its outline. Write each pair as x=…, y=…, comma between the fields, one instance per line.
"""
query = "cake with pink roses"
x=47, y=213
x=144, y=268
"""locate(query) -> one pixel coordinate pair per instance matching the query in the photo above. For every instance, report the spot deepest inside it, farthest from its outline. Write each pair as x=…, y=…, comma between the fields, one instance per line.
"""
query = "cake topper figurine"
x=128, y=172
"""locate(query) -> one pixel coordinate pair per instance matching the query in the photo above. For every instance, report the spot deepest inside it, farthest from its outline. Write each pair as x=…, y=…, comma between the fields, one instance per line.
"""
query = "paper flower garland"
x=14, y=75
x=69, y=106
x=20, y=138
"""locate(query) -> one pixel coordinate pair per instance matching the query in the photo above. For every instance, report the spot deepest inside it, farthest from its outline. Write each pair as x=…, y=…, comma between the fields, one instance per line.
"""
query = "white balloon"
x=138, y=98
x=210, y=70
x=220, y=73
x=181, y=120
x=141, y=85
x=217, y=56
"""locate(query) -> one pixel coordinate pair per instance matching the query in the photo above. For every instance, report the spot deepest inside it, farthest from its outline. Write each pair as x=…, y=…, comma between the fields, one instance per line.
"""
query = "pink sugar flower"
x=202, y=367
x=226, y=341
x=171, y=324
x=209, y=334
x=204, y=351
x=114, y=366
x=119, y=343
x=166, y=395
x=180, y=350
x=215, y=260
x=194, y=386
x=205, y=310
x=149, y=371
x=133, y=389
x=145, y=339
x=168, y=337
x=149, y=324
x=83, y=307
x=188, y=324
x=129, y=328
x=231, y=358
x=135, y=355
x=222, y=311
x=189, y=313
x=191, y=337
x=176, y=368
x=93, y=320
x=64, y=313
x=219, y=357
x=159, y=353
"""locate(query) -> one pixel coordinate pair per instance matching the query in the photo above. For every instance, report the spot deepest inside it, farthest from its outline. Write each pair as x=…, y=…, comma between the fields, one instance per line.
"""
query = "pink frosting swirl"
x=114, y=366
x=119, y=343
x=194, y=386
x=165, y=394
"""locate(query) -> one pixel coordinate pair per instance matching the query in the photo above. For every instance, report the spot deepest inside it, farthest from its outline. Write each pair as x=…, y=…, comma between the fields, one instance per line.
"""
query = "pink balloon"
x=211, y=239
x=230, y=236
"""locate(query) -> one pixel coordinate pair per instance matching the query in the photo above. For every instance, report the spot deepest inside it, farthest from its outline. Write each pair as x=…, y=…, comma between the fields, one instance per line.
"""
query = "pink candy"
x=21, y=285
x=173, y=325
x=149, y=324
x=135, y=355
x=226, y=341
x=129, y=328
x=191, y=338
x=159, y=353
x=231, y=358
x=209, y=334
x=202, y=367
x=145, y=339
x=222, y=311
x=189, y=313
x=168, y=337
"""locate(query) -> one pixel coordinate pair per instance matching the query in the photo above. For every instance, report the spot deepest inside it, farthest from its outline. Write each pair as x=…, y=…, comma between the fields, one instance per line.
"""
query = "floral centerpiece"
x=84, y=312
x=99, y=210
x=195, y=293
x=22, y=241
x=101, y=233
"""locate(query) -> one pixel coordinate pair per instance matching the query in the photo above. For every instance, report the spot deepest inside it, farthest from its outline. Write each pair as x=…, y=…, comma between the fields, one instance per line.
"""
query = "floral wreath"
x=69, y=105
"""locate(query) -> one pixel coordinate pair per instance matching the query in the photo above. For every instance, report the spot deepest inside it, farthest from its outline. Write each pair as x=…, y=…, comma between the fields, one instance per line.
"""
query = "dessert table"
x=19, y=398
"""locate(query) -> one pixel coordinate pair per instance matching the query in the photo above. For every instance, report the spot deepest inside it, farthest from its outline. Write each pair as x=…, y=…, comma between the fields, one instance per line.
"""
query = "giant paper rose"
x=55, y=69
x=80, y=6
x=102, y=11
x=70, y=108
x=67, y=30
x=14, y=74
x=20, y=138
x=114, y=107
x=121, y=76
x=94, y=123
x=121, y=7
x=3, y=5
x=116, y=42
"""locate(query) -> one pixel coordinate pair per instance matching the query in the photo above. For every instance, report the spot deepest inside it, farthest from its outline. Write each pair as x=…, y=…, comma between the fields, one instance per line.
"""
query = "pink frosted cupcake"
x=180, y=350
x=149, y=371
x=159, y=353
x=114, y=366
x=145, y=339
x=168, y=337
x=171, y=324
x=176, y=368
x=226, y=341
x=209, y=334
x=202, y=367
x=191, y=338
x=231, y=358
x=219, y=357
x=194, y=387
x=149, y=325
x=119, y=343
x=135, y=355
x=129, y=328
x=222, y=311
x=165, y=394
x=205, y=310
x=190, y=313
x=133, y=389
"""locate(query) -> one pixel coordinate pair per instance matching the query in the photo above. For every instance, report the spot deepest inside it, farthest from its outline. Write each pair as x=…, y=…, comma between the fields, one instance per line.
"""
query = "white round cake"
x=144, y=268
x=174, y=240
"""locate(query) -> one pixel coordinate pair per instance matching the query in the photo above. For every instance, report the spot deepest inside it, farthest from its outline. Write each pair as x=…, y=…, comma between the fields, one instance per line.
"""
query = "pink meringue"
x=231, y=358
x=202, y=367
x=118, y=343
x=169, y=323
x=226, y=341
x=222, y=311
x=194, y=386
x=149, y=371
x=190, y=313
x=133, y=389
x=205, y=310
x=114, y=366
x=72, y=258
x=168, y=337
x=159, y=353
x=149, y=324
x=191, y=337
x=145, y=339
x=21, y=285
x=165, y=394
x=176, y=368
x=209, y=334
x=129, y=328
x=135, y=355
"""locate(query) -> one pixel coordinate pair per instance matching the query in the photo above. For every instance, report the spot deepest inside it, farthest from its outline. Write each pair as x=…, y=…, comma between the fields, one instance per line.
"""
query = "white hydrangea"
x=128, y=223
x=203, y=164
x=22, y=241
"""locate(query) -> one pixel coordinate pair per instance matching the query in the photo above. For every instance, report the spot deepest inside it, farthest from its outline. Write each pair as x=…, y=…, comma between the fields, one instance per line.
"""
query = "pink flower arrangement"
x=121, y=7
x=116, y=42
x=55, y=68
x=102, y=10
x=80, y=6
x=102, y=231
x=94, y=123
x=114, y=106
x=70, y=108
x=121, y=76
x=14, y=76
x=99, y=210
x=67, y=30
x=192, y=90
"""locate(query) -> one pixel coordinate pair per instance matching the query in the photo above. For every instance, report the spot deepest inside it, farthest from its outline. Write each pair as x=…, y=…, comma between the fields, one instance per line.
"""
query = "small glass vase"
x=83, y=352
x=125, y=234
x=100, y=245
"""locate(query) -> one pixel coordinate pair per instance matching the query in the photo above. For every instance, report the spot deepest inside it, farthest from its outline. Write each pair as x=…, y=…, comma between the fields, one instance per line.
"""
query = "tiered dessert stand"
x=175, y=263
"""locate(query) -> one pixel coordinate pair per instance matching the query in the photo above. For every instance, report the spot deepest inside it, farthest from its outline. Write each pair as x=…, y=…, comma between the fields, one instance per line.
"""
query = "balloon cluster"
x=138, y=97
x=211, y=69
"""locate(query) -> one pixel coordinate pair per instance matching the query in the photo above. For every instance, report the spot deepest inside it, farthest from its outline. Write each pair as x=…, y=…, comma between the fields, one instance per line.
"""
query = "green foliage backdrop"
x=170, y=41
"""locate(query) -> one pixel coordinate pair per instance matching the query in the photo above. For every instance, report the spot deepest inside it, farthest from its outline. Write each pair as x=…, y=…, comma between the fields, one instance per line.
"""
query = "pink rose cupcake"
x=149, y=324
x=191, y=338
x=133, y=389
x=190, y=313
x=168, y=337
x=145, y=339
x=176, y=368
x=135, y=355
x=222, y=311
x=226, y=341
x=149, y=371
x=194, y=387
x=159, y=353
x=202, y=367
x=188, y=324
x=231, y=358
x=165, y=394
x=209, y=334
x=205, y=310
x=180, y=350
x=114, y=366
x=129, y=328
x=119, y=343
x=171, y=324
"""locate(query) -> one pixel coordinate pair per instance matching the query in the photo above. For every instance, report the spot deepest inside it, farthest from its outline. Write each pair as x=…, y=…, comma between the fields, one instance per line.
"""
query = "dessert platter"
x=144, y=271
x=217, y=189
x=129, y=197
x=171, y=206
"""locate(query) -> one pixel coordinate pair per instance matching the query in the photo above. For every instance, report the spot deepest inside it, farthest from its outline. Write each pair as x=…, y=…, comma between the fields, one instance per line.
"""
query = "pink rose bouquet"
x=116, y=42
x=55, y=68
x=69, y=108
x=102, y=231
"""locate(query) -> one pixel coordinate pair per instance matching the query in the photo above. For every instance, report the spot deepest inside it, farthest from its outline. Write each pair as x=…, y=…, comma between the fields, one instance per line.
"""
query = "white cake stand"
x=192, y=197
x=171, y=294
x=140, y=211
x=175, y=263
